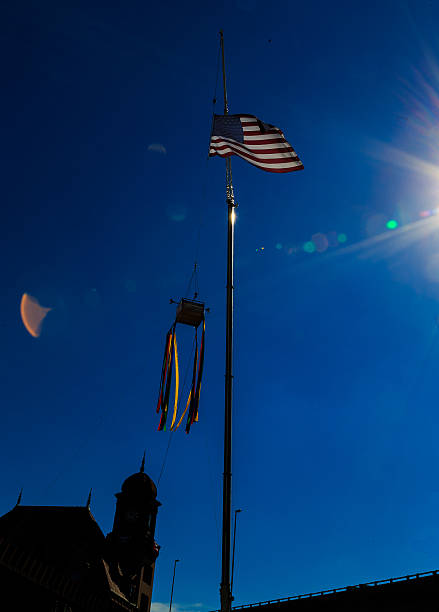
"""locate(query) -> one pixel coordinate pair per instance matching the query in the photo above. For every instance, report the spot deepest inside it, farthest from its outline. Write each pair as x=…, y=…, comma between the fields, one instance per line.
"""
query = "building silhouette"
x=412, y=593
x=56, y=558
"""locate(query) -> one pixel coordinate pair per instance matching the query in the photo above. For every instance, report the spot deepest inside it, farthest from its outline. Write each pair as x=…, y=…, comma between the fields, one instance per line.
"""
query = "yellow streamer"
x=177, y=380
x=185, y=410
x=187, y=405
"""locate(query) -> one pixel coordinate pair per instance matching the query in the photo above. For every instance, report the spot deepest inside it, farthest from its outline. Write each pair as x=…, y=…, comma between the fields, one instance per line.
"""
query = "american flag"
x=261, y=144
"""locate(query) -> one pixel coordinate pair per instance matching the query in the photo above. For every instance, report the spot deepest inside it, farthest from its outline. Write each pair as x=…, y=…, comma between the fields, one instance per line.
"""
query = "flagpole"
x=225, y=592
x=227, y=476
x=285, y=160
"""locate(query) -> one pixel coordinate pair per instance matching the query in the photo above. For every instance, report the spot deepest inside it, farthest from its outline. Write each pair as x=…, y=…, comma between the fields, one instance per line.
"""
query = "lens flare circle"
x=392, y=224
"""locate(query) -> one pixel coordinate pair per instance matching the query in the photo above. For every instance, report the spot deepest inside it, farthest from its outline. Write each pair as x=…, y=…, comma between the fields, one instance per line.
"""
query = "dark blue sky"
x=105, y=122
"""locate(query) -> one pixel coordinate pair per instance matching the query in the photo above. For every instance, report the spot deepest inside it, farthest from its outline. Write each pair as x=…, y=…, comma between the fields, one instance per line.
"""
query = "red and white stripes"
x=264, y=146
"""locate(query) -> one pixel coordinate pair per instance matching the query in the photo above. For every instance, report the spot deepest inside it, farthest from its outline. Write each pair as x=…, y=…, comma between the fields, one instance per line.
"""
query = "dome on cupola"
x=140, y=485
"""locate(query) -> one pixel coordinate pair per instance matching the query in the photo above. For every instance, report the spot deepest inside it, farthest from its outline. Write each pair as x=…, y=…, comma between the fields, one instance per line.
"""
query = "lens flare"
x=309, y=247
x=320, y=241
x=32, y=314
x=392, y=224
x=389, y=243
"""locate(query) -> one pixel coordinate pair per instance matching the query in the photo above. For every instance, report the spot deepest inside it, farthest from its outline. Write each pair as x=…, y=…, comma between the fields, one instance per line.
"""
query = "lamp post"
x=233, y=553
x=173, y=580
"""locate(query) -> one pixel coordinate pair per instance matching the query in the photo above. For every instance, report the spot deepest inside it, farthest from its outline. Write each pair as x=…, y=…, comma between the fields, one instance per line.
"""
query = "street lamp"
x=173, y=579
x=233, y=554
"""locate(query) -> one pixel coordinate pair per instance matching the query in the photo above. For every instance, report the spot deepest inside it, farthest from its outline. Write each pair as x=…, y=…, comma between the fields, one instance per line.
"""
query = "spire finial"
x=142, y=467
x=89, y=499
x=19, y=497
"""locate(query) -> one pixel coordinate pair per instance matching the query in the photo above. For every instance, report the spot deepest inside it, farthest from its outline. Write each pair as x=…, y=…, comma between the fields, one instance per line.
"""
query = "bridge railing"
x=338, y=590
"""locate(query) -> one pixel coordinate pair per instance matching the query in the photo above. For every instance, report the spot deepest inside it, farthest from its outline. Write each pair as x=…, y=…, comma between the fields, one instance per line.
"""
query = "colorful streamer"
x=170, y=357
x=196, y=384
x=164, y=369
x=170, y=360
x=177, y=382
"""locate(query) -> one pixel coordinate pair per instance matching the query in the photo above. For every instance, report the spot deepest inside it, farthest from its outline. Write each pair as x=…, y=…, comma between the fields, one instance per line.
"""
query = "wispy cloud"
x=157, y=147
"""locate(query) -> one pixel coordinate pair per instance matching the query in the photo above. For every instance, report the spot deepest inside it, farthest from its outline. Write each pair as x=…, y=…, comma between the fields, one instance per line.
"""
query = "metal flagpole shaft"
x=226, y=106
x=233, y=553
x=225, y=592
x=173, y=580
